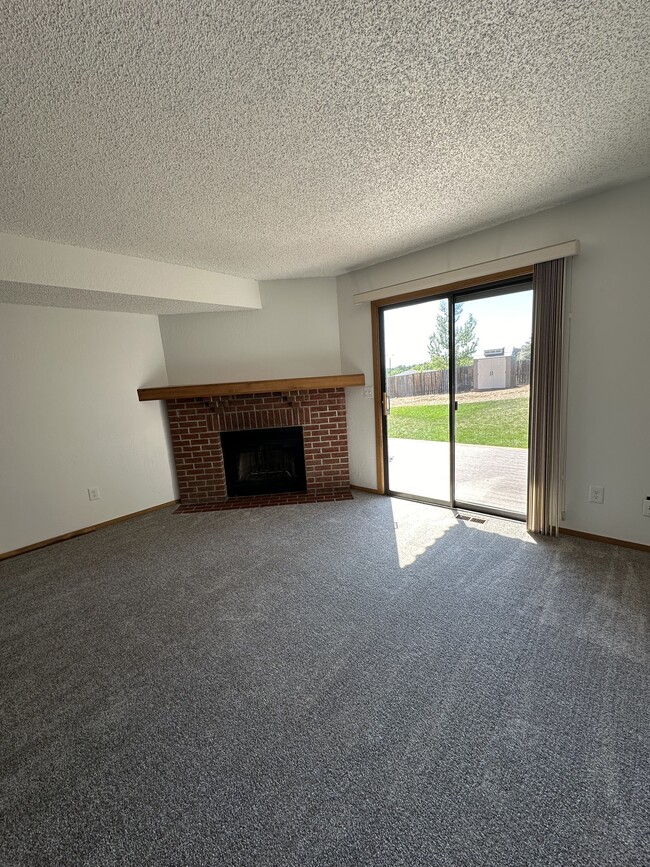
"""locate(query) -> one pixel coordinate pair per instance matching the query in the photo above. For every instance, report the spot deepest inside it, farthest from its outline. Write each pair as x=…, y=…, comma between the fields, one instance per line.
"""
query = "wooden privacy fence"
x=437, y=381
x=426, y=382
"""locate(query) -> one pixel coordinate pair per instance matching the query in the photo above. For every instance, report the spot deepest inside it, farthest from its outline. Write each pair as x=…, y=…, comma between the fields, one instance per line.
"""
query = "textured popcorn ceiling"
x=279, y=139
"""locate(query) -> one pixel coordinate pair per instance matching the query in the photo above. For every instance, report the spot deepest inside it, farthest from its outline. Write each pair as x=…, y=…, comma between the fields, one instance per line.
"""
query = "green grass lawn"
x=487, y=423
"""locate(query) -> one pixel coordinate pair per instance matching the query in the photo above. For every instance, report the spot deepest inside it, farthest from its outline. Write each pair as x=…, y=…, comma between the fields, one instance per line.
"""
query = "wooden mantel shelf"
x=257, y=386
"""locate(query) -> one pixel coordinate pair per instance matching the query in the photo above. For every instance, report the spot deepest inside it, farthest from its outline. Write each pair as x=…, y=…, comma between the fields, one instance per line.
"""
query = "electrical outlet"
x=93, y=493
x=596, y=494
x=368, y=392
x=646, y=507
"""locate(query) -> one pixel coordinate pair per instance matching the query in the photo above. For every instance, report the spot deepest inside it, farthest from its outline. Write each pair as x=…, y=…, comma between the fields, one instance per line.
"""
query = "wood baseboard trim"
x=365, y=490
x=608, y=540
x=84, y=530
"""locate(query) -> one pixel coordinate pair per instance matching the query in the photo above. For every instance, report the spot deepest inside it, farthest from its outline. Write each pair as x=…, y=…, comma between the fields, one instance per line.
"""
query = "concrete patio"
x=485, y=475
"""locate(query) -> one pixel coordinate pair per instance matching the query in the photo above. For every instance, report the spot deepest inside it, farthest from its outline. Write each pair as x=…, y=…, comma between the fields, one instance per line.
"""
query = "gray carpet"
x=311, y=685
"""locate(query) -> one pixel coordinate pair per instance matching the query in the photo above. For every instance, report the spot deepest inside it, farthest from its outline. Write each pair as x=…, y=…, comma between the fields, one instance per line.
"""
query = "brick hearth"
x=196, y=423
x=259, y=502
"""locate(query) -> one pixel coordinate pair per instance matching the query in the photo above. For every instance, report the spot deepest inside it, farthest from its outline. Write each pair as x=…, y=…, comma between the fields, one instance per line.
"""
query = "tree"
x=402, y=368
x=524, y=352
x=466, y=340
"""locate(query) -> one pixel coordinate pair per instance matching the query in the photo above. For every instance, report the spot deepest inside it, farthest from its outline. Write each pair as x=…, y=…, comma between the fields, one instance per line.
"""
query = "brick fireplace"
x=196, y=422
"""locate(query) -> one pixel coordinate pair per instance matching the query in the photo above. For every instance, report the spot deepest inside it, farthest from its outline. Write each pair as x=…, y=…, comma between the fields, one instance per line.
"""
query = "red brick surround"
x=196, y=423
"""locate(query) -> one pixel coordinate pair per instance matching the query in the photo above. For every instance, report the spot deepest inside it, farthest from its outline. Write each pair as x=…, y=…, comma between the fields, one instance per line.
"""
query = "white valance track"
x=471, y=272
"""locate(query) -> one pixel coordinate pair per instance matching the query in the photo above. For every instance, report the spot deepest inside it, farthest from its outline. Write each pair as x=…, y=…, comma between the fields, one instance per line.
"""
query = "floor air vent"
x=471, y=519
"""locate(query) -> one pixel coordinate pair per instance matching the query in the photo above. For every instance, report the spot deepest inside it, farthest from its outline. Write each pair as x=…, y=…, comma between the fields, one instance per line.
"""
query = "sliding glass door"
x=459, y=440
x=416, y=404
x=492, y=377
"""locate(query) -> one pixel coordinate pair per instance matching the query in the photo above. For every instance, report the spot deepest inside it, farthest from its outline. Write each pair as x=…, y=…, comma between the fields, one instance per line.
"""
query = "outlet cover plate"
x=596, y=494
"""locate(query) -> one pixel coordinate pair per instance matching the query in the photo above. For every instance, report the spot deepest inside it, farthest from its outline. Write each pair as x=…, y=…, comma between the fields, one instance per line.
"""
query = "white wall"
x=70, y=419
x=46, y=263
x=295, y=333
x=609, y=402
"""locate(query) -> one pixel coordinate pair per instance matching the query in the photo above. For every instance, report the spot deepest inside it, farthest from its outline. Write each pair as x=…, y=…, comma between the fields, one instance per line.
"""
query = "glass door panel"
x=416, y=399
x=492, y=346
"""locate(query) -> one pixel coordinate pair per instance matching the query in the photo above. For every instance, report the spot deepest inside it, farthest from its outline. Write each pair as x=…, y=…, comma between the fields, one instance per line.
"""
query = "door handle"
x=385, y=402
x=455, y=404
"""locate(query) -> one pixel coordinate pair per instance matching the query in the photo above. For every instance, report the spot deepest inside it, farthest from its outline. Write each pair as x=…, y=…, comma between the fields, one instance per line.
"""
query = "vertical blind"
x=545, y=443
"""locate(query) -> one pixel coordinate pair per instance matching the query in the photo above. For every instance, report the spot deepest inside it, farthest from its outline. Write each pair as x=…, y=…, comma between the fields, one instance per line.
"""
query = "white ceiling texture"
x=285, y=138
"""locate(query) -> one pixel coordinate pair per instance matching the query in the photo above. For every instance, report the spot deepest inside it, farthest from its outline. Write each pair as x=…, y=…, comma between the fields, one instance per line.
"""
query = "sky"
x=504, y=320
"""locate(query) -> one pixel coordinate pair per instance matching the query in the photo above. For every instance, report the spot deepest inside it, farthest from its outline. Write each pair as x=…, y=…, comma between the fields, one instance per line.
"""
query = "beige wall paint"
x=609, y=403
x=295, y=333
x=71, y=419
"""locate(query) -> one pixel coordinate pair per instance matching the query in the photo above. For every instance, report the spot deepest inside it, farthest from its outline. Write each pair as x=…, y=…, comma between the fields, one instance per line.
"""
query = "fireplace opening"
x=267, y=461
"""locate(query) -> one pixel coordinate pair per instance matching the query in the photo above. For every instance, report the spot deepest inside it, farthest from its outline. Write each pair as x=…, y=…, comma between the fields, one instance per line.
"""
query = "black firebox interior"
x=266, y=461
